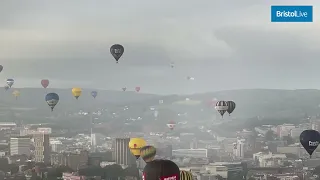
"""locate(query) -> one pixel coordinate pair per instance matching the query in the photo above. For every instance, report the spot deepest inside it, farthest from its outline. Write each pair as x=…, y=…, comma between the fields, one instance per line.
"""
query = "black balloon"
x=1, y=68
x=161, y=169
x=231, y=106
x=117, y=50
x=309, y=139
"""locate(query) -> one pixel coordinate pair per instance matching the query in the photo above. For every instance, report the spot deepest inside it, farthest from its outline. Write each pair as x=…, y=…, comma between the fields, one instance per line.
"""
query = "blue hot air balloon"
x=52, y=99
x=94, y=94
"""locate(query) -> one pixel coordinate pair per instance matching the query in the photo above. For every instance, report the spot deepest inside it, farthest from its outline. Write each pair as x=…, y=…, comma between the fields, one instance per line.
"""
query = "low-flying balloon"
x=148, y=153
x=116, y=51
x=221, y=107
x=76, y=92
x=135, y=145
x=310, y=139
x=6, y=88
x=161, y=169
x=52, y=100
x=1, y=68
x=124, y=89
x=45, y=83
x=186, y=175
x=171, y=125
x=16, y=94
x=10, y=82
x=94, y=94
x=137, y=89
x=231, y=106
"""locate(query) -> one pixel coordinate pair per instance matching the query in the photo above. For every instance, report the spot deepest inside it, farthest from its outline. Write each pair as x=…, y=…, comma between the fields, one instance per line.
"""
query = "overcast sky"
x=222, y=44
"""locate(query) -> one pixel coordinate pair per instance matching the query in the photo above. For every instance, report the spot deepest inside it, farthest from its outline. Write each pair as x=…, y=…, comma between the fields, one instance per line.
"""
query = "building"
x=191, y=153
x=7, y=125
x=72, y=160
x=56, y=146
x=122, y=152
x=42, y=147
x=44, y=130
x=284, y=130
x=20, y=146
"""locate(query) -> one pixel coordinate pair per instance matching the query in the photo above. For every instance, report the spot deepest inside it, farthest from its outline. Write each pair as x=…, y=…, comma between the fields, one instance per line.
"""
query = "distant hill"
x=250, y=103
x=34, y=98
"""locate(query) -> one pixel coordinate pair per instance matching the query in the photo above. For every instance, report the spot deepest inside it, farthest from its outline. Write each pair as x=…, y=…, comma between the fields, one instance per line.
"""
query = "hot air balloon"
x=76, y=92
x=171, y=125
x=310, y=139
x=10, y=82
x=172, y=64
x=1, y=68
x=52, y=99
x=161, y=169
x=221, y=107
x=190, y=78
x=94, y=94
x=16, y=94
x=137, y=89
x=148, y=153
x=117, y=50
x=124, y=89
x=135, y=145
x=45, y=83
x=186, y=175
x=6, y=88
x=231, y=106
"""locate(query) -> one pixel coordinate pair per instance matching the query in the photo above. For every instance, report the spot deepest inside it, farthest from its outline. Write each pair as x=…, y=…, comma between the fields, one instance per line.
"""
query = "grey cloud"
x=223, y=44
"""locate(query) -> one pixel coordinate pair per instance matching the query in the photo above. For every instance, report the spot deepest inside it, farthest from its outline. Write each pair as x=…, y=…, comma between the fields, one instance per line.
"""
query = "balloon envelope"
x=161, y=169
x=117, y=50
x=1, y=68
x=148, y=153
x=135, y=145
x=186, y=175
x=45, y=83
x=76, y=92
x=231, y=106
x=309, y=139
x=137, y=89
x=10, y=82
x=52, y=100
x=94, y=94
x=124, y=89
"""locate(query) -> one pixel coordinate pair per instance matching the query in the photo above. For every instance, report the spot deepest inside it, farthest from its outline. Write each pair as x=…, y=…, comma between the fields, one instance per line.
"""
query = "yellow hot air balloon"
x=16, y=93
x=185, y=175
x=135, y=145
x=76, y=92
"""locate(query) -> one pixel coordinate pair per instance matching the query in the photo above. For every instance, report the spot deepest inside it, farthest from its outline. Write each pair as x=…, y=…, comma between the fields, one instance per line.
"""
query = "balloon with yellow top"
x=135, y=145
x=76, y=92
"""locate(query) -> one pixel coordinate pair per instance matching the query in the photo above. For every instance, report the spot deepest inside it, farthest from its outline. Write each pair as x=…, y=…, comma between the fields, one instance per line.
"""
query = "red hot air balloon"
x=137, y=89
x=45, y=83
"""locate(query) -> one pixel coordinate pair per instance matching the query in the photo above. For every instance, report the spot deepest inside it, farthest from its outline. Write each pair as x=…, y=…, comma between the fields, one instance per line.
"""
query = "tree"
x=269, y=136
x=113, y=172
x=218, y=177
x=91, y=171
x=131, y=171
x=57, y=172
x=14, y=168
x=288, y=139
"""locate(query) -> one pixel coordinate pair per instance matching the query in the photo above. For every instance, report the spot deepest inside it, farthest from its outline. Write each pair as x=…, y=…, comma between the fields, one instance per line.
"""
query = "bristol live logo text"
x=313, y=143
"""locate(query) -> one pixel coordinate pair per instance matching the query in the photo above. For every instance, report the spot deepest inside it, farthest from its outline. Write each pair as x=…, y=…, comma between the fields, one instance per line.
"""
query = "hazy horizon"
x=222, y=45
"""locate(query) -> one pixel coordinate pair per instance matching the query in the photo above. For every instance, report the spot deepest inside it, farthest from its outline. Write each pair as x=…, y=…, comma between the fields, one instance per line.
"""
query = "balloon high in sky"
x=1, y=68
x=116, y=51
x=10, y=82
x=221, y=107
x=231, y=106
x=52, y=100
x=76, y=92
x=94, y=94
x=45, y=83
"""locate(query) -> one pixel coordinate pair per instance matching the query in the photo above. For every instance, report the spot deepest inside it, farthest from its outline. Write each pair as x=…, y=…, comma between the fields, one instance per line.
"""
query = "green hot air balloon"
x=148, y=153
